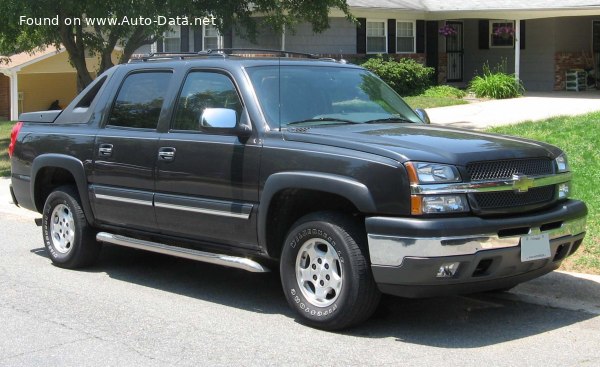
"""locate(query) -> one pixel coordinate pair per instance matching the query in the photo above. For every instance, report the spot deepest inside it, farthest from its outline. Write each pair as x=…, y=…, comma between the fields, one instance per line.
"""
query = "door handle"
x=105, y=150
x=166, y=154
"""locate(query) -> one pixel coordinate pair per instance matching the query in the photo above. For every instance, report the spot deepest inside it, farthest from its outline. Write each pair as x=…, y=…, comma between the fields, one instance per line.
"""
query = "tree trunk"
x=76, y=51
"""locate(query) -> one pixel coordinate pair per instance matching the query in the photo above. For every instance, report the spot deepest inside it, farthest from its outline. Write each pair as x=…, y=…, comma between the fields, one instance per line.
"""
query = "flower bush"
x=496, y=83
x=447, y=31
x=406, y=76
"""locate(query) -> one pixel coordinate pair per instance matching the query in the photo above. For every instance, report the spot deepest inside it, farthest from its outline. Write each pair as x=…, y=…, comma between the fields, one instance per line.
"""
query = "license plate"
x=535, y=247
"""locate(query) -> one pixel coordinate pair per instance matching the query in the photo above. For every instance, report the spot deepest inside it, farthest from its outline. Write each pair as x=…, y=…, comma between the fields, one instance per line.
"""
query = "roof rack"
x=224, y=53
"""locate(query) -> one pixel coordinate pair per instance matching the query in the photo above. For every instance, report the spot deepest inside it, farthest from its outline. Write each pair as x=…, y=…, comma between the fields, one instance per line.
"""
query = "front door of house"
x=454, y=51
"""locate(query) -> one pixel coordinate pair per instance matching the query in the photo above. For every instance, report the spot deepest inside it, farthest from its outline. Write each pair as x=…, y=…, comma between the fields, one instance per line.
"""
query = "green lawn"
x=5, y=128
x=579, y=137
x=431, y=102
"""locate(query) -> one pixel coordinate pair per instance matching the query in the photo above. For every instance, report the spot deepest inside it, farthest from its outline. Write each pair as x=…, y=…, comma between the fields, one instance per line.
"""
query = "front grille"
x=495, y=170
x=510, y=199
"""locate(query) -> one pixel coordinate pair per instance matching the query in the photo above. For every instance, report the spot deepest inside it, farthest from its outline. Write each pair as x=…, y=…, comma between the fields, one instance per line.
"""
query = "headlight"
x=562, y=164
x=422, y=172
x=439, y=204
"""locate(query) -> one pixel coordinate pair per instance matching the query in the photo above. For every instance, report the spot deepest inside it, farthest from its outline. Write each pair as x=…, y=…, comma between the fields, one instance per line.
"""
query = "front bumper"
x=406, y=253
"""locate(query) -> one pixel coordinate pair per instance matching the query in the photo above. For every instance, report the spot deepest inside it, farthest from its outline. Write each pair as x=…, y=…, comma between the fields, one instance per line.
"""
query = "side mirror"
x=218, y=118
x=224, y=121
x=423, y=115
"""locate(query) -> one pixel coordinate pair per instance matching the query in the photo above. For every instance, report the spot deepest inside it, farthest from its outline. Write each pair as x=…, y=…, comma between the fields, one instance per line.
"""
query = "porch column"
x=283, y=38
x=14, y=96
x=517, y=48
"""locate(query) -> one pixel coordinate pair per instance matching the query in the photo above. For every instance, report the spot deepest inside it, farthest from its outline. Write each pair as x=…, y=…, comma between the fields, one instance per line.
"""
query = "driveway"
x=533, y=106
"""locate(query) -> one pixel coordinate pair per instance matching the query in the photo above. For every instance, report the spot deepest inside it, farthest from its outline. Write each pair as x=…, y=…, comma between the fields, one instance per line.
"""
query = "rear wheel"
x=68, y=238
x=325, y=271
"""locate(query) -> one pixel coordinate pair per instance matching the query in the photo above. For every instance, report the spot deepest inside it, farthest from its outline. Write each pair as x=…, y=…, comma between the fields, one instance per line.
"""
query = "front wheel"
x=325, y=271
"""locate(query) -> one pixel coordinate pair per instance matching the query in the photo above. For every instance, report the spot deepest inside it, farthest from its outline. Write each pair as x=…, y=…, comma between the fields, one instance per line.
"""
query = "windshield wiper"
x=323, y=119
x=390, y=119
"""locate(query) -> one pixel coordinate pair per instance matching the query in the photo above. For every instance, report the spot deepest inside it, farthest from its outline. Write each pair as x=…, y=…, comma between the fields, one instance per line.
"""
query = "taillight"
x=13, y=137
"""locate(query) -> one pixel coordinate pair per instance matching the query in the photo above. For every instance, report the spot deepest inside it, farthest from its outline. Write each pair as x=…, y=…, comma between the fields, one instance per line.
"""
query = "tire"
x=326, y=273
x=69, y=239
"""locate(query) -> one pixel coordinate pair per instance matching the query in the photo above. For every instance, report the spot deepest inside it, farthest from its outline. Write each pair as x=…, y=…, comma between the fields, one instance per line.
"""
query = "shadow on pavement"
x=450, y=322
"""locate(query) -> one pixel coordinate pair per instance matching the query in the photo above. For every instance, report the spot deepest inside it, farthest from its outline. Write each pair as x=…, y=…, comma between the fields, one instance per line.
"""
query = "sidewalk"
x=558, y=289
x=533, y=106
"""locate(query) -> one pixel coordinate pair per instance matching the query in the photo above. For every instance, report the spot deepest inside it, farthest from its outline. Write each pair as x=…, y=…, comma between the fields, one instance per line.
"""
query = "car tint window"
x=140, y=100
x=201, y=91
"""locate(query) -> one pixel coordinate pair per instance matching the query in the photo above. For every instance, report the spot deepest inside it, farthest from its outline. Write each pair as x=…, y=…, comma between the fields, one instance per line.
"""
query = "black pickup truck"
x=312, y=165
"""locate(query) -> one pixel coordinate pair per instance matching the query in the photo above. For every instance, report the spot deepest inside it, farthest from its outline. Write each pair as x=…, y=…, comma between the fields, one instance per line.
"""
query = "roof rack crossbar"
x=281, y=53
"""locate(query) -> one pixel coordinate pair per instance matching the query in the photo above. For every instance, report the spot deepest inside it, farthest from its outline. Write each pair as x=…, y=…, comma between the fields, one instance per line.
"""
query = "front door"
x=455, y=52
x=207, y=177
x=125, y=151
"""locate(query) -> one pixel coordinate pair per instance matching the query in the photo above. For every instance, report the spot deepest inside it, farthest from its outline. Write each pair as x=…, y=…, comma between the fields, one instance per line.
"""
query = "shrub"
x=406, y=76
x=496, y=83
x=447, y=91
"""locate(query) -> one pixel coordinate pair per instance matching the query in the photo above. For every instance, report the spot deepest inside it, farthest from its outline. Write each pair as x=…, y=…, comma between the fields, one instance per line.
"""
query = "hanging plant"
x=504, y=32
x=447, y=31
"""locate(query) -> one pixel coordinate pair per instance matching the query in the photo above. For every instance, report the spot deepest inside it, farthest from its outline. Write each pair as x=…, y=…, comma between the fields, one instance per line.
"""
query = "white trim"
x=414, y=26
x=14, y=96
x=201, y=210
x=517, y=42
x=385, y=33
x=491, y=30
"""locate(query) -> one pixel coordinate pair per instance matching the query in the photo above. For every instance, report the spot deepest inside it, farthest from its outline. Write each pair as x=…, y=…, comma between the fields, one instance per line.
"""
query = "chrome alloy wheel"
x=319, y=272
x=62, y=228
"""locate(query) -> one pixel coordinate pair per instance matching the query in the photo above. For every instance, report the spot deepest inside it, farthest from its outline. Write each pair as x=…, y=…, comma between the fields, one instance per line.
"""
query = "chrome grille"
x=510, y=199
x=495, y=170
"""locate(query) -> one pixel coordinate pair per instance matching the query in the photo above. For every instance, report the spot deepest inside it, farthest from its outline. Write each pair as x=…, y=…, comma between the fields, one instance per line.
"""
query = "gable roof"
x=27, y=58
x=473, y=5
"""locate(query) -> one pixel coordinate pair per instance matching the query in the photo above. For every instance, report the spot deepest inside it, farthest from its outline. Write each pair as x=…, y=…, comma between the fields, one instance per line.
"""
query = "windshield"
x=322, y=95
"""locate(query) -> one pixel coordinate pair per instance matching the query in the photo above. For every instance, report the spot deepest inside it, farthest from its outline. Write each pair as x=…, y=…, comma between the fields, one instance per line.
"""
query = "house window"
x=502, y=33
x=405, y=37
x=376, y=36
x=172, y=40
x=211, y=38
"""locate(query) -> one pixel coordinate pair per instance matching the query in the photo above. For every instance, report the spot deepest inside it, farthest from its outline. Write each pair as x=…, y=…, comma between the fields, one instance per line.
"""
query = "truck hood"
x=420, y=142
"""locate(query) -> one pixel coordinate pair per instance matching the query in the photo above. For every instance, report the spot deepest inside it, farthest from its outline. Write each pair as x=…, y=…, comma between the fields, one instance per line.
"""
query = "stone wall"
x=563, y=61
x=4, y=97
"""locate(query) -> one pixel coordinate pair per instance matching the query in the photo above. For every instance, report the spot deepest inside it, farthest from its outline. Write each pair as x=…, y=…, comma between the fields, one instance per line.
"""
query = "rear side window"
x=140, y=100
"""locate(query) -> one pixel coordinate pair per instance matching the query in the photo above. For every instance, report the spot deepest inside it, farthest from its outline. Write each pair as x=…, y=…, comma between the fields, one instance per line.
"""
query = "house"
x=32, y=81
x=537, y=40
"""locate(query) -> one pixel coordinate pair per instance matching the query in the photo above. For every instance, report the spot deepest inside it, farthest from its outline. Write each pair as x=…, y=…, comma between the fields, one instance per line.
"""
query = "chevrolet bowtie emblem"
x=521, y=183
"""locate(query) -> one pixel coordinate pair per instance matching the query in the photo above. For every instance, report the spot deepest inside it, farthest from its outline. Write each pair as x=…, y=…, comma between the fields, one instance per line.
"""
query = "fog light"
x=447, y=270
x=563, y=190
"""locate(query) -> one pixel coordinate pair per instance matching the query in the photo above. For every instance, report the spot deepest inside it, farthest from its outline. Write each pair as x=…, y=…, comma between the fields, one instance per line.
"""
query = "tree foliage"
x=79, y=39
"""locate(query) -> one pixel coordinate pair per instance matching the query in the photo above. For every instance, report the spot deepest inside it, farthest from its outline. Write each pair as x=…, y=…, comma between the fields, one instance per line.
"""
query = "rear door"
x=207, y=177
x=125, y=152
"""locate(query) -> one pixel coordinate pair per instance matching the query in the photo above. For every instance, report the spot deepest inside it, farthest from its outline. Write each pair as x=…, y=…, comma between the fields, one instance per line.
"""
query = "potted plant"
x=447, y=31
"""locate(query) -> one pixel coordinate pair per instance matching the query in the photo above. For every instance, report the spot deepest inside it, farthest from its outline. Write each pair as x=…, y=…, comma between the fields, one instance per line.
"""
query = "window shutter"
x=198, y=39
x=522, y=35
x=391, y=36
x=185, y=39
x=159, y=45
x=484, y=34
x=361, y=36
x=228, y=39
x=420, y=36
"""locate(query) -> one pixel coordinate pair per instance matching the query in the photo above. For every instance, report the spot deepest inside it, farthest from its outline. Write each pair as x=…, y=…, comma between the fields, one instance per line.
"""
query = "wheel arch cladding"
x=55, y=162
x=354, y=192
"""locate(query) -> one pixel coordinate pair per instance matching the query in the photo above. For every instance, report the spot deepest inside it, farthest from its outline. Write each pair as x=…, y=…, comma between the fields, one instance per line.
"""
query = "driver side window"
x=202, y=93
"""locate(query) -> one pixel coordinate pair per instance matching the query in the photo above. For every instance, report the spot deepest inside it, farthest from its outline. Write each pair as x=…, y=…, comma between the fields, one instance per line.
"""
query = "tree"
x=27, y=25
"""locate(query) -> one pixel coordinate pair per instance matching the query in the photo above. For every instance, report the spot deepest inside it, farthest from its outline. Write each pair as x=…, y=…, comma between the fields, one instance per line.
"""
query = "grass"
x=579, y=137
x=422, y=101
x=5, y=128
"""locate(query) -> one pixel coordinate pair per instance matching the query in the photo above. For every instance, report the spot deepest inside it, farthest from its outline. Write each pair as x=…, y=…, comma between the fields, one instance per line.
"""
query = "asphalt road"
x=141, y=309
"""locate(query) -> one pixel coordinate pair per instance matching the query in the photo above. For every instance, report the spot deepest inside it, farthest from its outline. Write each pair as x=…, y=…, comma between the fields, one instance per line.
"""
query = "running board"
x=207, y=257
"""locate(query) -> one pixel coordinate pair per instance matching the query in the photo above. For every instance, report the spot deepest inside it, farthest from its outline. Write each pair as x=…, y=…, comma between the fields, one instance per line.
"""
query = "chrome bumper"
x=386, y=250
